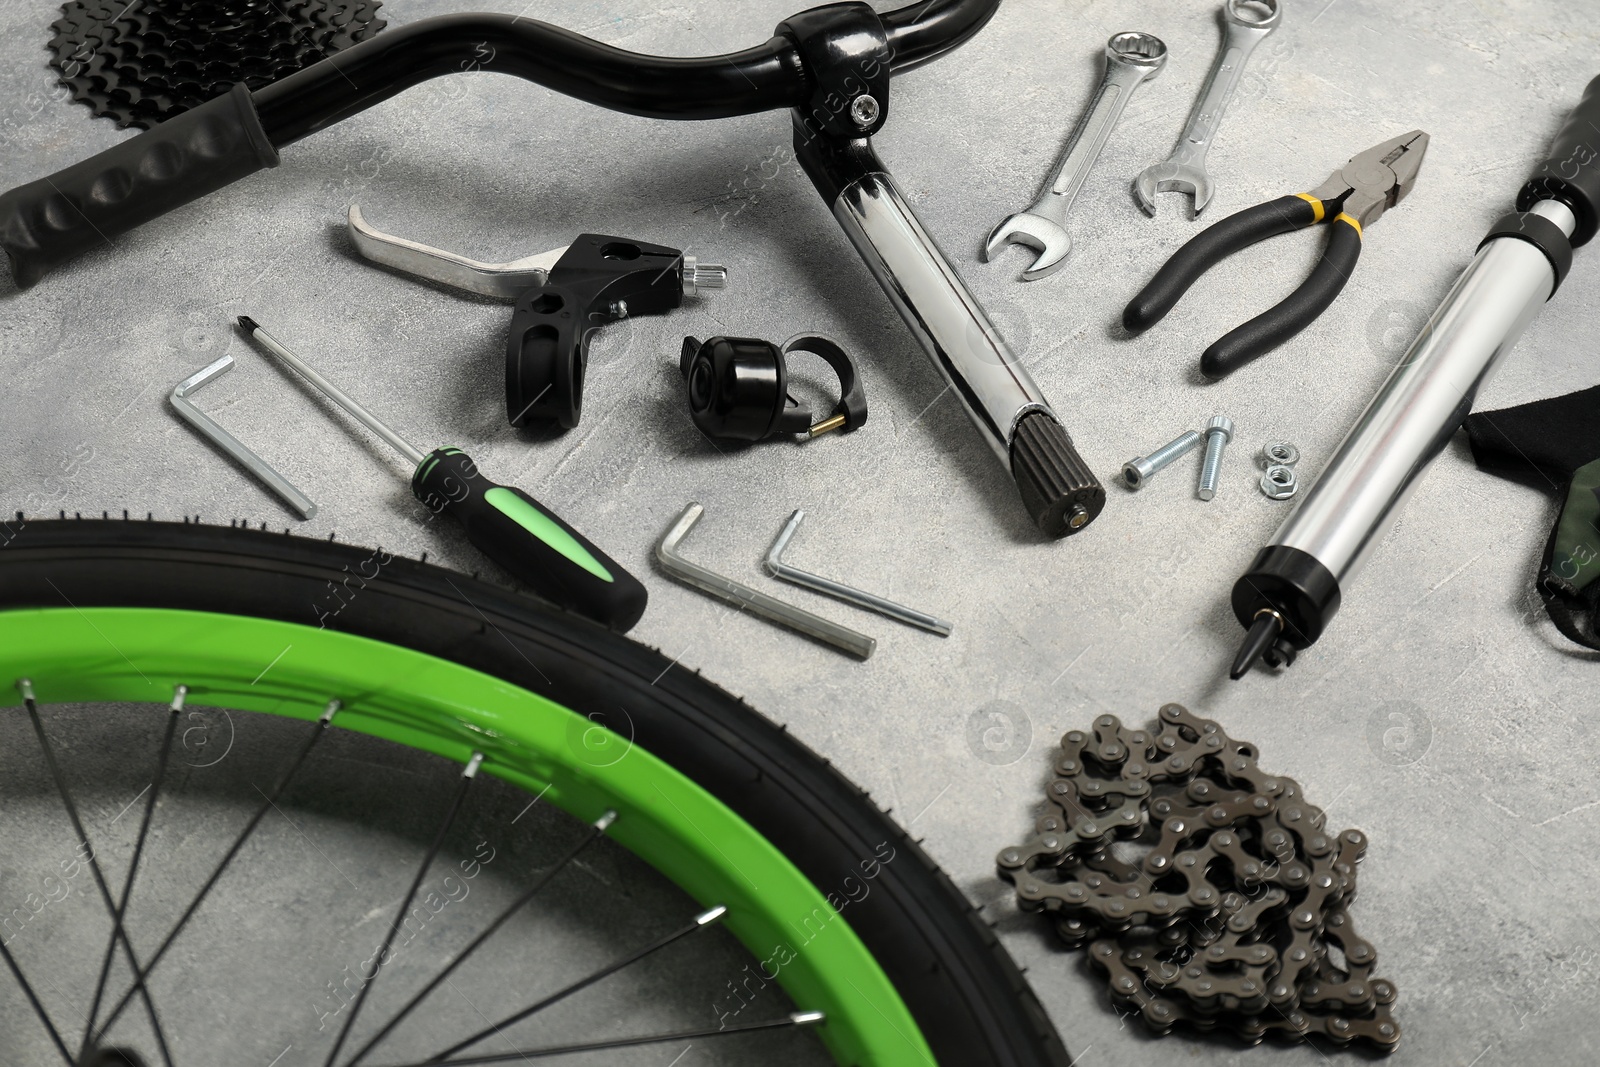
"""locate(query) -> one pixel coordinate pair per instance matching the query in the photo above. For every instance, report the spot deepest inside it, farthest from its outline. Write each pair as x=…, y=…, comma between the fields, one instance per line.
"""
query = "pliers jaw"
x=1375, y=180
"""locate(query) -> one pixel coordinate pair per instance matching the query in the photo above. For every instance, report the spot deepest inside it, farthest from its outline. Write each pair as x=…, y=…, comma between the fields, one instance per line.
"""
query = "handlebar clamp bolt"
x=864, y=110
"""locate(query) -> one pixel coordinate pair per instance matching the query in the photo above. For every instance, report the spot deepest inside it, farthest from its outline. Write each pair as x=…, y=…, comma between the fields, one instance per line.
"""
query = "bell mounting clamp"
x=739, y=387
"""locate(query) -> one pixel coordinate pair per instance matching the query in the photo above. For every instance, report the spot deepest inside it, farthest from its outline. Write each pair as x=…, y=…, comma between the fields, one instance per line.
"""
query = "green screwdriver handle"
x=530, y=541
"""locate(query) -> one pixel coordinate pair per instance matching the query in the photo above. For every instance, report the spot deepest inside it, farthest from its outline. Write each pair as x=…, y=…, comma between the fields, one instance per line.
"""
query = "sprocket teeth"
x=141, y=65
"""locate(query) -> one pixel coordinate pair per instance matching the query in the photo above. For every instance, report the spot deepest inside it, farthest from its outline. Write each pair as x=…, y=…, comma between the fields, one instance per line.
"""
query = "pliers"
x=1353, y=198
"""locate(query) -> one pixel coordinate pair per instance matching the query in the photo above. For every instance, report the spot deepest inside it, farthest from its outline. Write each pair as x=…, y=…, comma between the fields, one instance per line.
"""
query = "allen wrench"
x=743, y=597
x=838, y=590
x=230, y=444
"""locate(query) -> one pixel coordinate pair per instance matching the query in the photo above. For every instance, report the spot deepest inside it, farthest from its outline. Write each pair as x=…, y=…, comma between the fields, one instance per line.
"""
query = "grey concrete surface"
x=1441, y=713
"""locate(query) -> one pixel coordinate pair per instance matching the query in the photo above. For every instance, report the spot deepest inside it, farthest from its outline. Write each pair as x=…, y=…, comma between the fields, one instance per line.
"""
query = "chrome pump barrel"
x=1424, y=401
x=1296, y=582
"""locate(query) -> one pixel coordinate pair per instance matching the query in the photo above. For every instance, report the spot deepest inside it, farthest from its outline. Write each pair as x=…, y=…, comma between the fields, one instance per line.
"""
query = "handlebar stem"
x=843, y=48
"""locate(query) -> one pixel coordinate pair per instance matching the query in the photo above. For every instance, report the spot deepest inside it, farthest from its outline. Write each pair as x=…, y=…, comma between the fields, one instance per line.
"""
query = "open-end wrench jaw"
x=1130, y=58
x=1052, y=242
x=1244, y=24
x=1171, y=176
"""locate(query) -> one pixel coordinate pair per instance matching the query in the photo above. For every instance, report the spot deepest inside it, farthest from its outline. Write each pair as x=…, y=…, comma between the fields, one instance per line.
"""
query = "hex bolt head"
x=1219, y=431
x=864, y=110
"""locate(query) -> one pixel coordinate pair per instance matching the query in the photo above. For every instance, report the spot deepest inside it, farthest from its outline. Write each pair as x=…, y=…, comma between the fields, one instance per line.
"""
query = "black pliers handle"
x=1354, y=197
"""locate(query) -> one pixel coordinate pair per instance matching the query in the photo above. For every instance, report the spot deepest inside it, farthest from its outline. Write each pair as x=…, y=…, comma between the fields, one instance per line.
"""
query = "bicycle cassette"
x=143, y=63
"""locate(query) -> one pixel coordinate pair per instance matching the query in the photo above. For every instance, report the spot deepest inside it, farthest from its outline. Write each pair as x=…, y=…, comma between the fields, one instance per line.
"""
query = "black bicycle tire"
x=963, y=989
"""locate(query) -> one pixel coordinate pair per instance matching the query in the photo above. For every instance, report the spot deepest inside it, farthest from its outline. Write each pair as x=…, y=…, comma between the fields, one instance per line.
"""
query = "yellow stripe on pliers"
x=1342, y=217
x=1316, y=206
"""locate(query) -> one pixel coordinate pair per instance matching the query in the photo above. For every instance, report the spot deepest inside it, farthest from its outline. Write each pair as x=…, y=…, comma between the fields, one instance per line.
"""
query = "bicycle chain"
x=143, y=63
x=1227, y=920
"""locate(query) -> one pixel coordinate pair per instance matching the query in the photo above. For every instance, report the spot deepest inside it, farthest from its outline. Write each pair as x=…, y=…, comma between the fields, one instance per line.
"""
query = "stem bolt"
x=1219, y=431
x=864, y=110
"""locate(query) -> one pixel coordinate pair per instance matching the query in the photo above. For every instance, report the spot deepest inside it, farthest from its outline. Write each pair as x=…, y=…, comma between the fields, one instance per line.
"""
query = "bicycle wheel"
x=863, y=927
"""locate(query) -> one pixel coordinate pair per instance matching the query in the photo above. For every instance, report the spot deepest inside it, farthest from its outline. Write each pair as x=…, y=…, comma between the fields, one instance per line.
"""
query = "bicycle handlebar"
x=822, y=64
x=767, y=77
x=48, y=222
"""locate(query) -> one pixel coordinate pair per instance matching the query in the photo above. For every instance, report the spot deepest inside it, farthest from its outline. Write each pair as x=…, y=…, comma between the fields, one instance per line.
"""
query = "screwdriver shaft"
x=331, y=391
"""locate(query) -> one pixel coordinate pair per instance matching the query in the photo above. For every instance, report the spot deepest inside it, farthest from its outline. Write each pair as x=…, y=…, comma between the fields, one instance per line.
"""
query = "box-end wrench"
x=1244, y=26
x=1130, y=59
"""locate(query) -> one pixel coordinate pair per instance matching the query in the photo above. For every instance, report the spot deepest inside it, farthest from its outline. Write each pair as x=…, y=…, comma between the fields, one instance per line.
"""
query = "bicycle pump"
x=1293, y=589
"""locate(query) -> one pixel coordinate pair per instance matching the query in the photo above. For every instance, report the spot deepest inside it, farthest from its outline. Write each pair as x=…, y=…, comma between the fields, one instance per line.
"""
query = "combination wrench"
x=1185, y=170
x=1130, y=59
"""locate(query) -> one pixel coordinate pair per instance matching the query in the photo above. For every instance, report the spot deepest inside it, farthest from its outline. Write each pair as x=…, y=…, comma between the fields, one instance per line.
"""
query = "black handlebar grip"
x=1295, y=312
x=1057, y=486
x=531, y=542
x=48, y=222
x=1571, y=173
x=1206, y=248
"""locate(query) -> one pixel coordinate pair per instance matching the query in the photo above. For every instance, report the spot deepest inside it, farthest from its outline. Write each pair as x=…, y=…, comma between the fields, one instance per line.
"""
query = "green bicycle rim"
x=138, y=655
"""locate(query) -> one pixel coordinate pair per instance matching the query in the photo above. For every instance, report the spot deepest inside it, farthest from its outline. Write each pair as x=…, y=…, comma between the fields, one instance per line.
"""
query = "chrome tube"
x=1423, y=402
x=994, y=387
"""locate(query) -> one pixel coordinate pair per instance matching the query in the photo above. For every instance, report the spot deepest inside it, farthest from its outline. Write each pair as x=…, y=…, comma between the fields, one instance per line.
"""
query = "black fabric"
x=1554, y=445
x=1541, y=443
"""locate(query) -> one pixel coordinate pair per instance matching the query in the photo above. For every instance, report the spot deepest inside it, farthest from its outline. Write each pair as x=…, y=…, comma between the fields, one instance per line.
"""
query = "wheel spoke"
x=133, y=864
x=117, y=932
x=799, y=1018
x=467, y=776
x=233, y=850
x=701, y=921
x=595, y=832
x=38, y=1008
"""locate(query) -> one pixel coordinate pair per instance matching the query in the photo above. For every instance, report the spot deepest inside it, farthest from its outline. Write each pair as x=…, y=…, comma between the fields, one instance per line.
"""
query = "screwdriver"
x=502, y=522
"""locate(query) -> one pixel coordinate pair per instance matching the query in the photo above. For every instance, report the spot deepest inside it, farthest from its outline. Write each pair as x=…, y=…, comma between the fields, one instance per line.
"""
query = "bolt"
x=1136, y=470
x=864, y=110
x=1219, y=431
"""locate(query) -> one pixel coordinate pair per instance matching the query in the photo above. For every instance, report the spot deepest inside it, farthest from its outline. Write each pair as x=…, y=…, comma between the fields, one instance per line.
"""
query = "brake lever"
x=506, y=281
x=562, y=297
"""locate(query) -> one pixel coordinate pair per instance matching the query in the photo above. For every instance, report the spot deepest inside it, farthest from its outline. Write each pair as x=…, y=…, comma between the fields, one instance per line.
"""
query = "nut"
x=1278, y=454
x=1279, y=482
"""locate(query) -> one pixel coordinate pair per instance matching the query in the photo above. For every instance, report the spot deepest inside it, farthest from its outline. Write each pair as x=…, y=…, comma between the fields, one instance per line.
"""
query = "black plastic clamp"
x=599, y=279
x=844, y=50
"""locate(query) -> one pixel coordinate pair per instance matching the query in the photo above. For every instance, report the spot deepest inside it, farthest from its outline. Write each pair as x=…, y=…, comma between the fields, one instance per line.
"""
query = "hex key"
x=231, y=444
x=838, y=590
x=742, y=596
